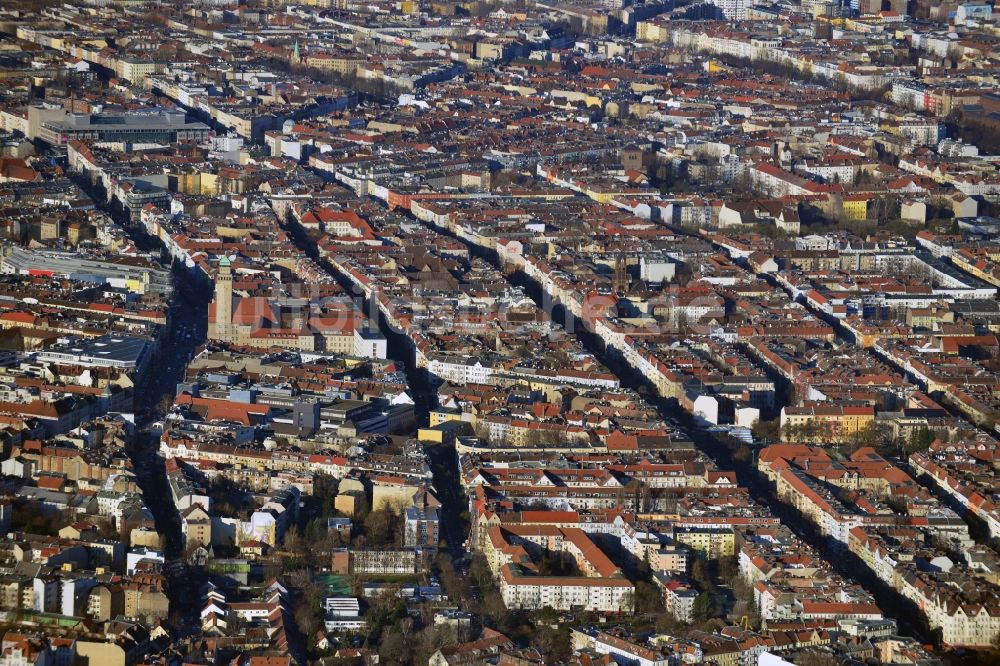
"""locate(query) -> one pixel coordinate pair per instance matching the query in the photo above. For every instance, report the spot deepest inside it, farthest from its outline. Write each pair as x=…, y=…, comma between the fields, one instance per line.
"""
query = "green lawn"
x=335, y=584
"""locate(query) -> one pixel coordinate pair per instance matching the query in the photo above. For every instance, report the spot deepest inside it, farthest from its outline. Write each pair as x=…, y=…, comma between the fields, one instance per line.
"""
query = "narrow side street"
x=184, y=332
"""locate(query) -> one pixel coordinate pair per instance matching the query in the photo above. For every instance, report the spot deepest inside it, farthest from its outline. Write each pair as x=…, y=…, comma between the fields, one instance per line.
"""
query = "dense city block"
x=608, y=332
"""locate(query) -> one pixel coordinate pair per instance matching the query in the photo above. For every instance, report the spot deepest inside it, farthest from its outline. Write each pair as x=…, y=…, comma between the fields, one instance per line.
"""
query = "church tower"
x=223, y=301
x=621, y=282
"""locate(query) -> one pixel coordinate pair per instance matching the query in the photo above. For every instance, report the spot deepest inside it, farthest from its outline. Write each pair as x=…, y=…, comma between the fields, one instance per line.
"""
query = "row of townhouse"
x=712, y=39
x=791, y=582
x=968, y=495
x=602, y=587
x=964, y=615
